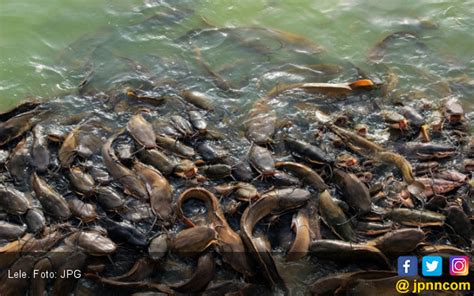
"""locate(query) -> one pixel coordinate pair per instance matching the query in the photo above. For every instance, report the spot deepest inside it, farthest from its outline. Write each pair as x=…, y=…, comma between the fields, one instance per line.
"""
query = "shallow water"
x=36, y=38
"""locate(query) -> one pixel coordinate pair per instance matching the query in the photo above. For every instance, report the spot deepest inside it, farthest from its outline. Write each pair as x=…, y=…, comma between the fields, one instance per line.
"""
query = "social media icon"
x=407, y=266
x=432, y=266
x=458, y=265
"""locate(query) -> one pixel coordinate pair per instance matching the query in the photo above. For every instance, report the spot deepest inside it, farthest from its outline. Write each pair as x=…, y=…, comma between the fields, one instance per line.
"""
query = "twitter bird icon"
x=432, y=266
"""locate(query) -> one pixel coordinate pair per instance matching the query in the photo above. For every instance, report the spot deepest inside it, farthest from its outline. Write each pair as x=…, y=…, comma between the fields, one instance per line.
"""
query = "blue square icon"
x=432, y=266
x=407, y=266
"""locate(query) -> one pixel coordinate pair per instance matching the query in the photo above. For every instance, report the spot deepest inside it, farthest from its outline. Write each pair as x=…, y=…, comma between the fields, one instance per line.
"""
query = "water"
x=35, y=36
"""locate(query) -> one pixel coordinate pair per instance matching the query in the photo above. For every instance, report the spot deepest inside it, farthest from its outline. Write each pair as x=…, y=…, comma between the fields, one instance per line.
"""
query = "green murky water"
x=45, y=45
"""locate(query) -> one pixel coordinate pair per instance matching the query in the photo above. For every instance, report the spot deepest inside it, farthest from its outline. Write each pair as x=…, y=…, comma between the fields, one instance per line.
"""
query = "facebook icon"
x=407, y=266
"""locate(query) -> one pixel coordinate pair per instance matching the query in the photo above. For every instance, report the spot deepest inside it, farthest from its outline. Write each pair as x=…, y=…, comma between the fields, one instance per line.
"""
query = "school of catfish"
x=151, y=179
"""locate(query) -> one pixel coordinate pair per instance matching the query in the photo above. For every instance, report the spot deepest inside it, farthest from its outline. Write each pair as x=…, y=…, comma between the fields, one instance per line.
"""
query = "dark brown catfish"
x=35, y=220
x=356, y=194
x=300, y=246
x=13, y=201
x=309, y=152
x=182, y=126
x=158, y=188
x=435, y=186
x=19, y=163
x=109, y=198
x=198, y=121
x=212, y=153
x=92, y=242
x=216, y=171
x=419, y=218
x=83, y=211
x=398, y=242
x=142, y=131
x=400, y=162
x=131, y=183
x=242, y=191
x=275, y=201
x=175, y=146
x=356, y=140
x=307, y=175
x=16, y=126
x=162, y=162
x=262, y=160
x=231, y=246
x=335, y=218
x=194, y=240
x=82, y=182
x=10, y=231
x=349, y=252
x=53, y=202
